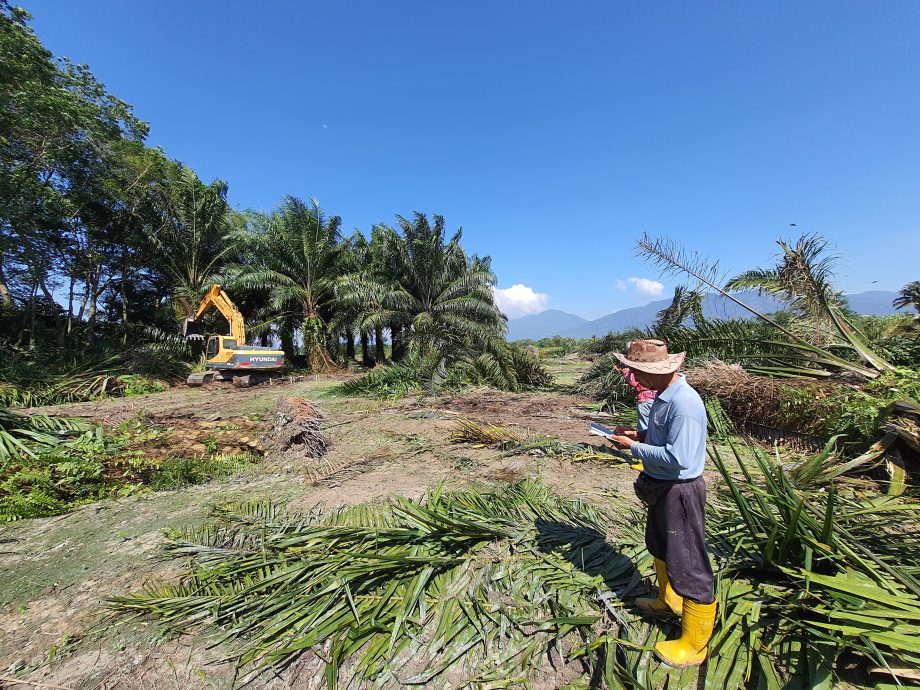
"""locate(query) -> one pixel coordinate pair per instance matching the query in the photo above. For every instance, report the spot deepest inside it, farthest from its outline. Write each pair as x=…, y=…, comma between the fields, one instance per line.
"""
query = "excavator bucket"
x=193, y=330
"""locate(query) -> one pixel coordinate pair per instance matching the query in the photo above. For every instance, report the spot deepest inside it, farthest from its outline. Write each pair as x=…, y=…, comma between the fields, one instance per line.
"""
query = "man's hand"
x=621, y=442
x=627, y=431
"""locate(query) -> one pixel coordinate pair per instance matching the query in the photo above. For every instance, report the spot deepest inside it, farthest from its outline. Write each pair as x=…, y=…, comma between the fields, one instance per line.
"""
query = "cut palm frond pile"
x=803, y=414
x=49, y=465
x=392, y=381
x=485, y=435
x=491, y=587
x=817, y=581
x=511, y=443
x=47, y=381
x=750, y=400
x=504, y=367
x=604, y=382
x=811, y=572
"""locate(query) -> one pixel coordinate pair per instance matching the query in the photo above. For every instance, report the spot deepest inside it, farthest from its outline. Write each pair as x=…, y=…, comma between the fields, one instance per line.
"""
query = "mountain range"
x=552, y=322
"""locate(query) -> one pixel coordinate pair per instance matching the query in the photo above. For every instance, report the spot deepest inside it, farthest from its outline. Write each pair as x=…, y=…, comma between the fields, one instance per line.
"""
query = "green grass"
x=54, y=479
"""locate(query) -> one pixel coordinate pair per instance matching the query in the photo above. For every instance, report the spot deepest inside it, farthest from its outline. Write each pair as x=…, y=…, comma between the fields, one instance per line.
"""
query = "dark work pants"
x=675, y=533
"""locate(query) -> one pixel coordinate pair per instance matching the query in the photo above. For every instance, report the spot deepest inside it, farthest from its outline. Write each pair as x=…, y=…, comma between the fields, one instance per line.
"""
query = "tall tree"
x=62, y=138
x=195, y=235
x=298, y=266
x=438, y=297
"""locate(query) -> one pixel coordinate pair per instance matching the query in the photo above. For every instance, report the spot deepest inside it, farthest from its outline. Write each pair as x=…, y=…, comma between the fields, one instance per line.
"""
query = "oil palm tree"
x=909, y=296
x=298, y=264
x=194, y=237
x=672, y=259
x=432, y=295
x=803, y=277
x=686, y=303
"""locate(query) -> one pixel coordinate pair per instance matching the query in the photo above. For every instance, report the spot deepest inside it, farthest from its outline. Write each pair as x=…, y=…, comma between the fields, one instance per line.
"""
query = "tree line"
x=104, y=239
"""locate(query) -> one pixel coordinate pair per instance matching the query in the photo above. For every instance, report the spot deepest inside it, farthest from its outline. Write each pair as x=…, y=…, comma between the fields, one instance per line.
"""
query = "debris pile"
x=296, y=431
x=187, y=437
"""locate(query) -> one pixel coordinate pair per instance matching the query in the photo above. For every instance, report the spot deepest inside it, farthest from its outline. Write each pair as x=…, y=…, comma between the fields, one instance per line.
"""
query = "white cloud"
x=621, y=284
x=646, y=286
x=520, y=300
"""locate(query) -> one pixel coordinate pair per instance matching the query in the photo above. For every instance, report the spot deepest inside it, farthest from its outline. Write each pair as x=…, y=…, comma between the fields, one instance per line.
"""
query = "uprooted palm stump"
x=296, y=431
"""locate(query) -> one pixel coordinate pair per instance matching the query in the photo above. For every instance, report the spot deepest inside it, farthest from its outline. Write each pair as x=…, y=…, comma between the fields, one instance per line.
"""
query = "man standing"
x=673, y=452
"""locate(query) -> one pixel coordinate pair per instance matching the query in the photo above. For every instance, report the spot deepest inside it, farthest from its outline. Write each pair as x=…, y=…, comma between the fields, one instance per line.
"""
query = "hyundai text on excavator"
x=228, y=357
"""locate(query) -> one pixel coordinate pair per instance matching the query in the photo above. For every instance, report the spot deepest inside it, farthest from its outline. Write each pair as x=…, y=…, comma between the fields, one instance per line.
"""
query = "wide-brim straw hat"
x=651, y=357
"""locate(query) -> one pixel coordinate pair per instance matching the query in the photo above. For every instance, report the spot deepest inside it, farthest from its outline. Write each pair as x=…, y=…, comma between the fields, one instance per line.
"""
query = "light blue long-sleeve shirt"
x=675, y=441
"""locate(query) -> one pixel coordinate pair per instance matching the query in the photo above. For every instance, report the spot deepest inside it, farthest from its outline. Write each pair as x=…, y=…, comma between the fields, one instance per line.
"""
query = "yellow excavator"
x=228, y=357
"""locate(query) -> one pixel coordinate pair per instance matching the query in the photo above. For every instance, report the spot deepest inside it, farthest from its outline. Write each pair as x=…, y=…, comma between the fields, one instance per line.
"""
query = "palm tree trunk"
x=397, y=342
x=366, y=359
x=380, y=353
x=124, y=293
x=349, y=346
x=287, y=343
x=70, y=294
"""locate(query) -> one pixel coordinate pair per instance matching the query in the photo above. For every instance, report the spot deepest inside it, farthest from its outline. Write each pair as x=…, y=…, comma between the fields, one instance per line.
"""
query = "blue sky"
x=554, y=133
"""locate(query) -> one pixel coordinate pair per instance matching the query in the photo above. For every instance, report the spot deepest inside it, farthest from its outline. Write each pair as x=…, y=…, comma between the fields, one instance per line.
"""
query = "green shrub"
x=136, y=384
x=176, y=473
x=511, y=367
x=55, y=478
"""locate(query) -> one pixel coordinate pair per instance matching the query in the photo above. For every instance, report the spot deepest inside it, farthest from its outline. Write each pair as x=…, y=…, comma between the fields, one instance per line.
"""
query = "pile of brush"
x=818, y=582
x=749, y=399
x=296, y=431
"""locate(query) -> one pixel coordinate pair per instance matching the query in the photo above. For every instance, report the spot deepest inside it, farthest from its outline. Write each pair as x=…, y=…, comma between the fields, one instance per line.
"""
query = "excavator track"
x=200, y=378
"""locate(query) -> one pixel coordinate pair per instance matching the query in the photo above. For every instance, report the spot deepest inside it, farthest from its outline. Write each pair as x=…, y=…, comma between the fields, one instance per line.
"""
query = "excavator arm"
x=193, y=328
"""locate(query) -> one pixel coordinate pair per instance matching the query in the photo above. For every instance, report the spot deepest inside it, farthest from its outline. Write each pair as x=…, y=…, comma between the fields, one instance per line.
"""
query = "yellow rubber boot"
x=696, y=629
x=668, y=602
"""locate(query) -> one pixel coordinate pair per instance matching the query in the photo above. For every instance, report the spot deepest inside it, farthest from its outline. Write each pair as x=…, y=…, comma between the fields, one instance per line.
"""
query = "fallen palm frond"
x=490, y=586
x=491, y=436
x=505, y=366
x=829, y=570
x=811, y=574
x=390, y=381
x=50, y=379
x=670, y=258
x=331, y=473
x=752, y=344
x=814, y=580
x=604, y=381
x=484, y=435
x=719, y=424
x=25, y=435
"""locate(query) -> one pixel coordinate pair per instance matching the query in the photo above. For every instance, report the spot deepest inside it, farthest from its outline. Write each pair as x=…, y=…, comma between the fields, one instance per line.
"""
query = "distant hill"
x=714, y=307
x=553, y=322
x=875, y=303
x=534, y=326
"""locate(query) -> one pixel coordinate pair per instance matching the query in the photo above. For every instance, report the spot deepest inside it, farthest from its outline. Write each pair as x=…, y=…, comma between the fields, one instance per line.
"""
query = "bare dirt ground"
x=55, y=573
